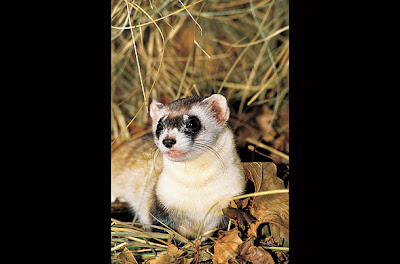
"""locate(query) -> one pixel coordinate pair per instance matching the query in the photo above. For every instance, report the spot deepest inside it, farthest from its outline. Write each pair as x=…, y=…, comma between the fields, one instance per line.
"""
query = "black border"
x=67, y=160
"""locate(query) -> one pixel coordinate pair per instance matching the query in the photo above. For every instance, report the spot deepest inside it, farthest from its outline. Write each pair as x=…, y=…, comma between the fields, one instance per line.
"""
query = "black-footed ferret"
x=197, y=166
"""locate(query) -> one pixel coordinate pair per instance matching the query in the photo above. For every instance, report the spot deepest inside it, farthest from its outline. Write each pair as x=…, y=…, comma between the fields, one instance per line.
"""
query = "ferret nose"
x=169, y=142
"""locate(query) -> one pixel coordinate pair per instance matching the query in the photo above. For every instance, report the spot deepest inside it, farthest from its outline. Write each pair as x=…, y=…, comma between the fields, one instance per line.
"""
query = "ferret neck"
x=207, y=164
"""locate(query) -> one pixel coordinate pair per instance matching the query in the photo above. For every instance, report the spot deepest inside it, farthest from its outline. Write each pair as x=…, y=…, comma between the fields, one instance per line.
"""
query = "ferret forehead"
x=184, y=103
x=199, y=112
x=175, y=113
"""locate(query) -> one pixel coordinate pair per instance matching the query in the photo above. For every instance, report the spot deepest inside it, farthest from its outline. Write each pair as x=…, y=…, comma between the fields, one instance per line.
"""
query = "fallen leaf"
x=281, y=256
x=256, y=255
x=162, y=259
x=274, y=208
x=233, y=204
x=243, y=203
x=127, y=257
x=252, y=231
x=239, y=216
x=227, y=246
x=170, y=258
x=204, y=256
x=173, y=251
x=187, y=261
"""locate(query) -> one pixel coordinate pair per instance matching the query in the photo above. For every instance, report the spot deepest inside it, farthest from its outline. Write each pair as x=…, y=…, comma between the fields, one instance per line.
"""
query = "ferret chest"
x=190, y=192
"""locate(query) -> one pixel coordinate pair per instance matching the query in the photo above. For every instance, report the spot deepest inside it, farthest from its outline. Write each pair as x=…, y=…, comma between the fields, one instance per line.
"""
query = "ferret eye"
x=193, y=123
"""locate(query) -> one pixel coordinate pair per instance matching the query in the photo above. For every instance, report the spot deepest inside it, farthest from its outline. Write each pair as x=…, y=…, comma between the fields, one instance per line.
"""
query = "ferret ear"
x=217, y=103
x=155, y=106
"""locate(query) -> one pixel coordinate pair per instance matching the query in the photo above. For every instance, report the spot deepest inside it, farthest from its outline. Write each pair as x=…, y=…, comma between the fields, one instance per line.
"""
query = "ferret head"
x=188, y=127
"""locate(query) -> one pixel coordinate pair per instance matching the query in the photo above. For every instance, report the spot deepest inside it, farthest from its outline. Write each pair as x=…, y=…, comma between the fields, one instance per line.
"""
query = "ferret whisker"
x=188, y=161
x=210, y=150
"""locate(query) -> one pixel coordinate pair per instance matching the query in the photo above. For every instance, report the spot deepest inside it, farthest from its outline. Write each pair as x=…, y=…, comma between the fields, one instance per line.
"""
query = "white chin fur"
x=181, y=151
x=183, y=156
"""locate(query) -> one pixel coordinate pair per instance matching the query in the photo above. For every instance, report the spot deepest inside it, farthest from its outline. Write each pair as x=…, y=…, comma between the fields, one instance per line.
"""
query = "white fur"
x=209, y=171
x=195, y=185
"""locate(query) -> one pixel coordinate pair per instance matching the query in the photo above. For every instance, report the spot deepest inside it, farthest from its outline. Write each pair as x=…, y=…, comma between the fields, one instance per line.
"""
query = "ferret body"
x=197, y=166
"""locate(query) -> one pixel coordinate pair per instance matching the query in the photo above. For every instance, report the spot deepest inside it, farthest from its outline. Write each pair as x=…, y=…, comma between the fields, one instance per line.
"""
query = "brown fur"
x=135, y=158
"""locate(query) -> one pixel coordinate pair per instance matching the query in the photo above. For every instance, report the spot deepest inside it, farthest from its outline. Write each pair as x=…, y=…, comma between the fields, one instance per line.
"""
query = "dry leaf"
x=187, y=261
x=227, y=246
x=243, y=203
x=233, y=204
x=239, y=216
x=127, y=257
x=252, y=231
x=162, y=259
x=274, y=208
x=204, y=256
x=281, y=256
x=173, y=251
x=256, y=255
x=170, y=258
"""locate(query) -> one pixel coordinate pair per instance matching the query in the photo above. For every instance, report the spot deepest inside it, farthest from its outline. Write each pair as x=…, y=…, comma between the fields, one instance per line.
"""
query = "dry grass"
x=236, y=48
x=148, y=245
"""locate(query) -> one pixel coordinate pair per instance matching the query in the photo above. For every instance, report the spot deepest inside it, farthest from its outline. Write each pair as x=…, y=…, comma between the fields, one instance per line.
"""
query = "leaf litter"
x=258, y=231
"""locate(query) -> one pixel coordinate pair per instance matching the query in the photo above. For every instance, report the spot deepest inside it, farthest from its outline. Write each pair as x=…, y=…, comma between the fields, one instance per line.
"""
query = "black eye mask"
x=190, y=127
x=159, y=128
